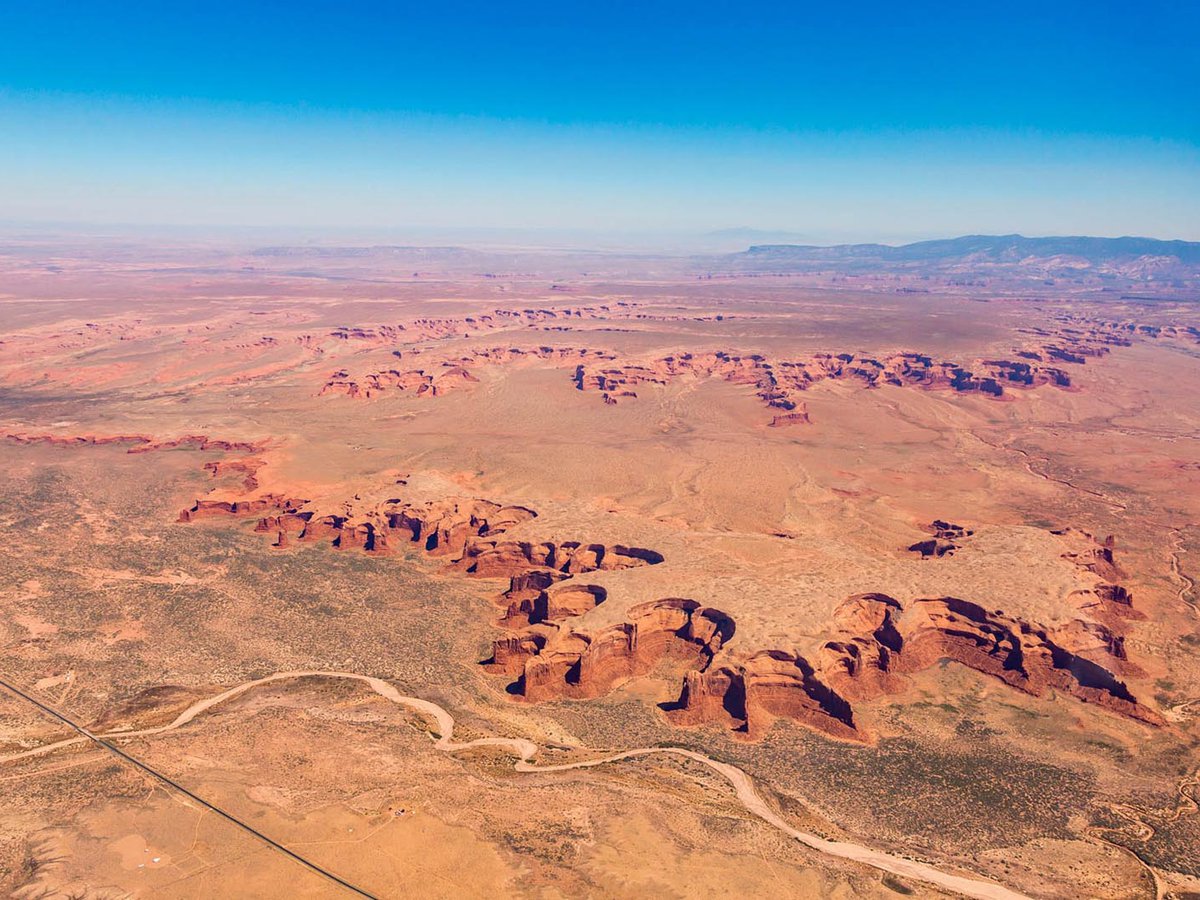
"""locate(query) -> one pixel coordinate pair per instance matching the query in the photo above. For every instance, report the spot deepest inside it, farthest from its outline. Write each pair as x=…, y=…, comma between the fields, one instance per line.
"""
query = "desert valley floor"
x=906, y=568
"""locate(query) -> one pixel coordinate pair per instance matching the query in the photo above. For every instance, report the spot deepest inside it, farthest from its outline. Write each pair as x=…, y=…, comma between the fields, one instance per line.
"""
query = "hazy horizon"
x=553, y=240
x=878, y=125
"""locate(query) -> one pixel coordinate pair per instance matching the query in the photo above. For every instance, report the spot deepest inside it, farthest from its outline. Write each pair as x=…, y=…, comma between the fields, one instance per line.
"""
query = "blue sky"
x=865, y=121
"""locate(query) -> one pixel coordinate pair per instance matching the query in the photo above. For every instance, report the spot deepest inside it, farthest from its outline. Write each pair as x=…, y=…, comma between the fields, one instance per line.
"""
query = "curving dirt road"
x=524, y=750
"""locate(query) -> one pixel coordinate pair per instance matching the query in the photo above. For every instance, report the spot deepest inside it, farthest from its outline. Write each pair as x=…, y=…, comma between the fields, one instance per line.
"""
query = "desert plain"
x=734, y=579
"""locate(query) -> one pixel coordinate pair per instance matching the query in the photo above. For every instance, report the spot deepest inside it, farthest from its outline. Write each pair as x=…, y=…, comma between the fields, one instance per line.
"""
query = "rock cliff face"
x=579, y=664
x=466, y=530
x=799, y=416
x=876, y=641
x=439, y=376
x=528, y=608
x=247, y=467
x=1098, y=557
x=441, y=327
x=881, y=642
x=771, y=684
x=947, y=537
x=439, y=528
x=778, y=382
x=491, y=559
x=449, y=526
x=203, y=509
x=81, y=440
x=1023, y=655
x=141, y=443
x=1127, y=329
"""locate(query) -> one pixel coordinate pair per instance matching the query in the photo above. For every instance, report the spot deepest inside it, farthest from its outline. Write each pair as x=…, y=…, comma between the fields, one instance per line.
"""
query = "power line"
x=117, y=751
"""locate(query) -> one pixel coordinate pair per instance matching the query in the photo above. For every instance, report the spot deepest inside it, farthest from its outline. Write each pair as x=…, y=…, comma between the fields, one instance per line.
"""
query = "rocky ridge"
x=878, y=639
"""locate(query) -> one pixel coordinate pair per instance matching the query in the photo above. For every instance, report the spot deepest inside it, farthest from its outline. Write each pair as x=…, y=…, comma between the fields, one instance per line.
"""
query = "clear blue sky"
x=842, y=120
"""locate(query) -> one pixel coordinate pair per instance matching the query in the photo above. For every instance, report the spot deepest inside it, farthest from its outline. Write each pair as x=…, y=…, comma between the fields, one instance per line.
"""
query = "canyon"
x=824, y=581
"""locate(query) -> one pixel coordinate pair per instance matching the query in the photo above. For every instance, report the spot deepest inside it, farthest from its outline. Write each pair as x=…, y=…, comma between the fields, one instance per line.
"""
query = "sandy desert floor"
x=918, y=568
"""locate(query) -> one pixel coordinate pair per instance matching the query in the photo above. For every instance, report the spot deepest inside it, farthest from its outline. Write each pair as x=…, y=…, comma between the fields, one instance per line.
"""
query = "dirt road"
x=525, y=751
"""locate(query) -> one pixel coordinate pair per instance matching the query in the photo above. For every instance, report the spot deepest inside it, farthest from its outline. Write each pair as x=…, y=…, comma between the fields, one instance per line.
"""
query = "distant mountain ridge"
x=1009, y=248
x=378, y=251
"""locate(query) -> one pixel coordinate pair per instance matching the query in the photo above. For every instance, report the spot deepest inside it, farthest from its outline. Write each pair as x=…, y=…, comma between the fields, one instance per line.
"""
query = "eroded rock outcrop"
x=450, y=526
x=141, y=443
x=439, y=528
x=247, y=467
x=860, y=661
x=947, y=537
x=777, y=383
x=880, y=642
x=567, y=602
x=771, y=684
x=1098, y=557
x=579, y=664
x=203, y=509
x=1026, y=656
x=492, y=559
x=440, y=327
x=876, y=640
x=439, y=376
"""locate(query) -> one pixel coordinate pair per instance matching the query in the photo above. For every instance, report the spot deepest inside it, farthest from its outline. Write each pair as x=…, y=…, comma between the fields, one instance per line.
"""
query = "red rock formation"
x=777, y=384
x=947, y=537
x=447, y=527
x=860, y=662
x=799, y=417
x=248, y=467
x=442, y=528
x=284, y=526
x=1022, y=655
x=1114, y=593
x=77, y=440
x=451, y=373
x=435, y=328
x=877, y=640
x=203, y=509
x=141, y=443
x=201, y=442
x=466, y=530
x=551, y=606
x=1099, y=558
x=581, y=664
x=771, y=684
x=1081, y=659
x=1023, y=374
x=493, y=559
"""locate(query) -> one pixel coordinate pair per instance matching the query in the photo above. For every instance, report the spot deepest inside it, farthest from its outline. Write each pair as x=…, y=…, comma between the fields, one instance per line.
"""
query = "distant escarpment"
x=778, y=383
x=428, y=328
x=438, y=377
x=1012, y=255
x=141, y=443
x=544, y=318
